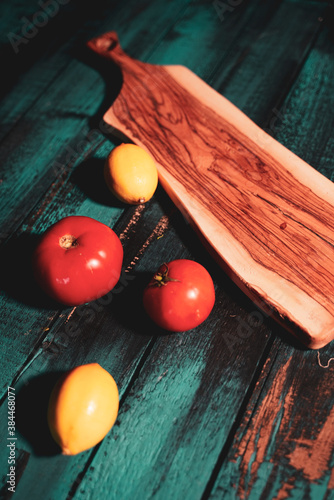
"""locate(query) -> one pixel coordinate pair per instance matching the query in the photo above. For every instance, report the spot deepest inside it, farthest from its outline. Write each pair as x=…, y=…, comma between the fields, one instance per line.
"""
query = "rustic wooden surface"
x=234, y=409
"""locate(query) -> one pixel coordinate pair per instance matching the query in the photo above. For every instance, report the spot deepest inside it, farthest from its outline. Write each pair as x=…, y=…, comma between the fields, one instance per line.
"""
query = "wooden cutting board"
x=266, y=215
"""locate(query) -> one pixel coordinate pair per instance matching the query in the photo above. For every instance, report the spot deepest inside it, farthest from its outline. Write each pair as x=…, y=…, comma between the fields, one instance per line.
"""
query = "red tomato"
x=77, y=260
x=180, y=296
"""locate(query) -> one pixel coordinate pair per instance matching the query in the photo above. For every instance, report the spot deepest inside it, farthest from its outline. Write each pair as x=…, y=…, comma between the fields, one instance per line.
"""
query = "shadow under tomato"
x=31, y=413
x=127, y=306
x=17, y=278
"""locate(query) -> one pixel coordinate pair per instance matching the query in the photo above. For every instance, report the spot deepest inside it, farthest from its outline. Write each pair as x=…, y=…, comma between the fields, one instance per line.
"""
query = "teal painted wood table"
x=233, y=409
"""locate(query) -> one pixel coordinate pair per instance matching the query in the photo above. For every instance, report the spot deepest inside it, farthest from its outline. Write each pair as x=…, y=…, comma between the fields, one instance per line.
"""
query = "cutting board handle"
x=107, y=45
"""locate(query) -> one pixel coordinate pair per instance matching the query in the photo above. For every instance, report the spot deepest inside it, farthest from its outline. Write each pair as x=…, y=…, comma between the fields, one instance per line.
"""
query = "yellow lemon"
x=131, y=174
x=83, y=407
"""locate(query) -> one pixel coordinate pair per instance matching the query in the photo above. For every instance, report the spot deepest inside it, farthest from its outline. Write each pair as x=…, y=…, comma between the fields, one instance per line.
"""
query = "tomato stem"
x=68, y=241
x=162, y=278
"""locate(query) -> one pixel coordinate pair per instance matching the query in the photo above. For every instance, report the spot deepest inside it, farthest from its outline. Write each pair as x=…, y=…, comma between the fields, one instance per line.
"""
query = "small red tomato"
x=180, y=295
x=77, y=260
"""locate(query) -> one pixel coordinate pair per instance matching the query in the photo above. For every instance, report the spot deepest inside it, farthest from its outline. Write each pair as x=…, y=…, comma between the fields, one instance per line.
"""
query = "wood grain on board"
x=265, y=213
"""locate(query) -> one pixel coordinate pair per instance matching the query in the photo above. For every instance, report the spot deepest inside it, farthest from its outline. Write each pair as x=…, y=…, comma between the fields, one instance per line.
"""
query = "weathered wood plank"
x=276, y=37
x=312, y=97
x=285, y=443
